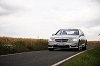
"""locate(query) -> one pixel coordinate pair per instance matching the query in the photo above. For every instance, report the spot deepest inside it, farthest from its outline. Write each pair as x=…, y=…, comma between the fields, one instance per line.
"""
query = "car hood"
x=64, y=36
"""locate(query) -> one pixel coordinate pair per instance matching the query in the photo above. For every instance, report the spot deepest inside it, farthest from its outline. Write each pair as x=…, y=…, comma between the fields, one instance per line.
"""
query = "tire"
x=51, y=49
x=78, y=49
x=84, y=48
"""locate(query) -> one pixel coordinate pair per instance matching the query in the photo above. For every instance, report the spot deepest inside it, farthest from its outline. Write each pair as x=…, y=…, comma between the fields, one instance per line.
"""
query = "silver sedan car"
x=67, y=39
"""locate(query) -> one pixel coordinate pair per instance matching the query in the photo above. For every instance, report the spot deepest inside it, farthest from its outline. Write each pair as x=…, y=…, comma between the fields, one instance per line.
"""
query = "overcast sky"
x=41, y=18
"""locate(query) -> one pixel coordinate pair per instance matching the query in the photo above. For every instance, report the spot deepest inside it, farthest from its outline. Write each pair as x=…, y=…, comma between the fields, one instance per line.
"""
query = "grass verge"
x=88, y=58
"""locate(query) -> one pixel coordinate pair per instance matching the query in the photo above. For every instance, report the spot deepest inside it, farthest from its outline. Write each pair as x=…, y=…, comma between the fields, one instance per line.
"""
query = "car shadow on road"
x=68, y=50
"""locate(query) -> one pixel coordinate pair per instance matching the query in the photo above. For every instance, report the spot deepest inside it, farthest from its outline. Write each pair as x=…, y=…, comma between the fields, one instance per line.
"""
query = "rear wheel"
x=51, y=49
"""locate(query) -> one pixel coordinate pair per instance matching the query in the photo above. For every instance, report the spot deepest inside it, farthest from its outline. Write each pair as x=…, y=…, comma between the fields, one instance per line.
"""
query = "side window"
x=81, y=33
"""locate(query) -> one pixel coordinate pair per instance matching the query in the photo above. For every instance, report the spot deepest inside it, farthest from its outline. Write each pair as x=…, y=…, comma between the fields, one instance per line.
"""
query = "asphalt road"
x=37, y=58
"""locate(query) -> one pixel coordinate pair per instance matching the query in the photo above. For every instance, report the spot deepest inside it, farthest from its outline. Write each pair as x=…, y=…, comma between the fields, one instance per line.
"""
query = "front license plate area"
x=60, y=44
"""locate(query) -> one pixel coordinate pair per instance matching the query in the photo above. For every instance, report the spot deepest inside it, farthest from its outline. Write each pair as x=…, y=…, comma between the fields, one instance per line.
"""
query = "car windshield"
x=68, y=32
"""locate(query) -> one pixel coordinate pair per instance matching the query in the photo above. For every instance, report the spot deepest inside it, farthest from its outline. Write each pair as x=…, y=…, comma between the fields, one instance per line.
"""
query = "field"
x=93, y=43
x=9, y=45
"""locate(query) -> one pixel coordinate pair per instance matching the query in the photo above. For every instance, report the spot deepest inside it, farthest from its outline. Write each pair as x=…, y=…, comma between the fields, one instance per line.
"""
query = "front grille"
x=61, y=40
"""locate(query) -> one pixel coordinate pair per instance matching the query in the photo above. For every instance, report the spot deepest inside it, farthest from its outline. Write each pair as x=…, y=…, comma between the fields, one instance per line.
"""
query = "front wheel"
x=78, y=49
x=84, y=48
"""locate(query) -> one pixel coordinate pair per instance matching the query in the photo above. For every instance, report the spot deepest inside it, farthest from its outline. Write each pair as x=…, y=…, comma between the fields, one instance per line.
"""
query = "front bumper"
x=62, y=45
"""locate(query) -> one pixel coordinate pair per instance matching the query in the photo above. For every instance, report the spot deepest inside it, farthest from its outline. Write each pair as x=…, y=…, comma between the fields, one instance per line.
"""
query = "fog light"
x=73, y=45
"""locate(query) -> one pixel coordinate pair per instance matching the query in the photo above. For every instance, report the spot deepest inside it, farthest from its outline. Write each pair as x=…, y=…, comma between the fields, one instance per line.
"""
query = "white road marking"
x=58, y=63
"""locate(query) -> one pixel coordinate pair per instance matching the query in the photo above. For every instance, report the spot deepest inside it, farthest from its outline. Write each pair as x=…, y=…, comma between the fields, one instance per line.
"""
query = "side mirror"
x=53, y=34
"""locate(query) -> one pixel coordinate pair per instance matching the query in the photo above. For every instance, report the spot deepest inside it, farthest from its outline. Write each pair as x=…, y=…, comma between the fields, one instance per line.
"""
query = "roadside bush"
x=19, y=46
x=41, y=44
x=5, y=49
x=10, y=45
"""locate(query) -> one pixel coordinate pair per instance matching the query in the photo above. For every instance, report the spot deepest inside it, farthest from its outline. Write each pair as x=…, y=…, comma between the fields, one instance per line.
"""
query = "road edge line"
x=58, y=63
x=18, y=53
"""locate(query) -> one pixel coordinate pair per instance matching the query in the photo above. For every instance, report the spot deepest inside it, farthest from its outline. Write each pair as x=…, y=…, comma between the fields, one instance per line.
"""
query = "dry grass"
x=93, y=43
x=10, y=45
x=11, y=41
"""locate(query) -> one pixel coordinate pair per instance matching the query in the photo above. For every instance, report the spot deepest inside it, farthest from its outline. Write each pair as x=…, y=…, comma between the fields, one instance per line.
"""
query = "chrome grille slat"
x=61, y=40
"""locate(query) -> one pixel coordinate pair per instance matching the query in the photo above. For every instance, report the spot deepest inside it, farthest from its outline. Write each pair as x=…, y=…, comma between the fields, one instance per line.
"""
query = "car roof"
x=69, y=29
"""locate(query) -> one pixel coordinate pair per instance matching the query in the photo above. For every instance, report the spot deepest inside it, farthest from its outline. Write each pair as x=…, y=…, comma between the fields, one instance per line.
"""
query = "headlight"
x=51, y=39
x=74, y=39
